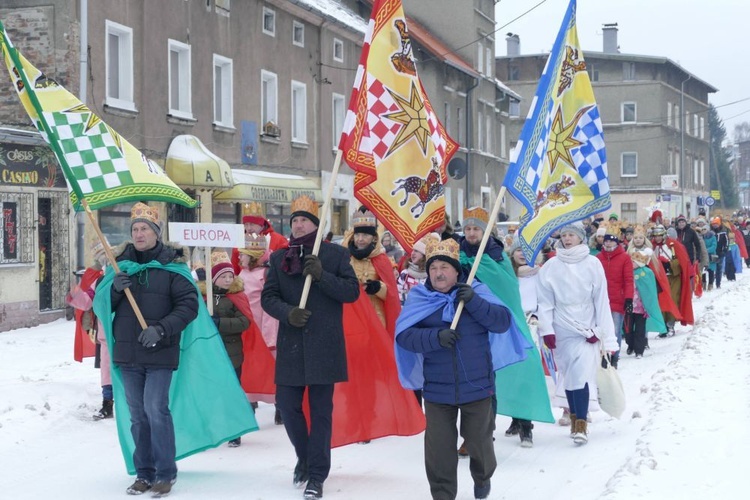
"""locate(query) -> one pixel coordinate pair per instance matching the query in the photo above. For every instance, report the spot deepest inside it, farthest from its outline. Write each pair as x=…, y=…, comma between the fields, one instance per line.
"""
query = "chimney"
x=610, y=39
x=513, y=44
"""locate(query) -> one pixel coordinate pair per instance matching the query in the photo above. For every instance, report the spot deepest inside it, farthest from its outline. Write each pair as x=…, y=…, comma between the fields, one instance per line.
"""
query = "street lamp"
x=682, y=145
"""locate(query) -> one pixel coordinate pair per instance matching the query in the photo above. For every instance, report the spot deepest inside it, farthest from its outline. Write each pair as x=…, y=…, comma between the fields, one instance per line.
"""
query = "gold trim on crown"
x=305, y=204
x=252, y=208
x=446, y=248
x=219, y=257
x=639, y=230
x=143, y=211
x=478, y=213
x=255, y=242
x=364, y=219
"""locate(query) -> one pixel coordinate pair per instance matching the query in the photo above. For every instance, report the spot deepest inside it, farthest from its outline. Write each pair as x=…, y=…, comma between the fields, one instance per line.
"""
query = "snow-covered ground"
x=683, y=435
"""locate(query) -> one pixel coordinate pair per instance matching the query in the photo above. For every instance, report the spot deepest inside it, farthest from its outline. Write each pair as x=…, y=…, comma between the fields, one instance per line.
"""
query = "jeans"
x=578, y=401
x=107, y=392
x=618, y=318
x=147, y=394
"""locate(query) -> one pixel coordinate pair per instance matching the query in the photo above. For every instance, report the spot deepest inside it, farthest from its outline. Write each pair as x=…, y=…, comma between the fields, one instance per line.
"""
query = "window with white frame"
x=480, y=58
x=480, y=131
x=119, y=65
x=459, y=126
x=339, y=115
x=338, y=50
x=298, y=33
x=179, y=80
x=696, y=170
x=695, y=125
x=488, y=61
x=299, y=112
x=486, y=197
x=447, y=117
x=702, y=128
x=269, y=97
x=669, y=114
x=703, y=172
x=628, y=112
x=514, y=108
x=223, y=92
x=488, y=132
x=629, y=211
x=628, y=71
x=629, y=165
x=269, y=21
x=677, y=117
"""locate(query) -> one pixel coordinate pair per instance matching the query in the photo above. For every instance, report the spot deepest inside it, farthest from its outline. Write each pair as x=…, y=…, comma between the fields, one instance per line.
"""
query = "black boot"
x=524, y=433
x=106, y=410
x=277, y=420
x=514, y=428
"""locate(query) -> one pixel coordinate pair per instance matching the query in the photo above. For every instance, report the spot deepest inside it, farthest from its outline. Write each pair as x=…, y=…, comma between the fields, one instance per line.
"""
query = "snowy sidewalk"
x=683, y=435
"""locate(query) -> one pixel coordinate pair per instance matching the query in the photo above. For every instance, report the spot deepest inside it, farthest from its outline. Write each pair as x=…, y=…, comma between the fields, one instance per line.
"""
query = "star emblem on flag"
x=561, y=140
x=412, y=117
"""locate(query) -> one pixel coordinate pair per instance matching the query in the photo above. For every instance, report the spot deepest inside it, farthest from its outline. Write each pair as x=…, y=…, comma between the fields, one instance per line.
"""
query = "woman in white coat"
x=574, y=307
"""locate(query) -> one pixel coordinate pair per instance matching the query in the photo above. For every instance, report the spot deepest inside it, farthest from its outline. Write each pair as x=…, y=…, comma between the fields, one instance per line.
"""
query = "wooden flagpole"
x=323, y=219
x=111, y=258
x=480, y=252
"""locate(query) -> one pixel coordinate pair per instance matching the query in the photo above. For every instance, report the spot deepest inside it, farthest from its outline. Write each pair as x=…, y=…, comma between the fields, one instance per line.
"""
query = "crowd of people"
x=373, y=349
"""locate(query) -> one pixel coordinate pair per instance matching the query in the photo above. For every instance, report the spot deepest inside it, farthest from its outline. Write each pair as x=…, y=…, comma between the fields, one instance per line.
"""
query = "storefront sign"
x=280, y=195
x=207, y=235
x=715, y=194
x=25, y=165
x=10, y=231
x=669, y=182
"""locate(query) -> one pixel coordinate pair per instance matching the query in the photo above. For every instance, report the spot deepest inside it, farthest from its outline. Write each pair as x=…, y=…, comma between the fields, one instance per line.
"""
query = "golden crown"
x=639, y=230
x=643, y=256
x=446, y=248
x=613, y=229
x=305, y=204
x=252, y=208
x=255, y=242
x=364, y=219
x=476, y=213
x=143, y=211
x=219, y=258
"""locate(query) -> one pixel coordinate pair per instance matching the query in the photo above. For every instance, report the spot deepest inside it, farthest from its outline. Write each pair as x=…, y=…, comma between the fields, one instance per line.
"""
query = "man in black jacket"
x=310, y=350
x=689, y=238
x=148, y=357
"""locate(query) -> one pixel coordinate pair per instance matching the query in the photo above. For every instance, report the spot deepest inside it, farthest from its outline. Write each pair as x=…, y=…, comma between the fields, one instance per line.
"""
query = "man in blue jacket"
x=456, y=367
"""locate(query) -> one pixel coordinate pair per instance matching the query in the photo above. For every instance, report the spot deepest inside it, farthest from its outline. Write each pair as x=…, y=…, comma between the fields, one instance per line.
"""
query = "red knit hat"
x=220, y=264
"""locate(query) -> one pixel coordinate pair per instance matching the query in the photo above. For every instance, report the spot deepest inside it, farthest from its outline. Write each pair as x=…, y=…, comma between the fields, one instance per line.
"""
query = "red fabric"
x=392, y=304
x=666, y=304
x=83, y=347
x=403, y=262
x=277, y=241
x=698, y=284
x=739, y=238
x=372, y=404
x=618, y=269
x=254, y=219
x=686, y=291
x=258, y=365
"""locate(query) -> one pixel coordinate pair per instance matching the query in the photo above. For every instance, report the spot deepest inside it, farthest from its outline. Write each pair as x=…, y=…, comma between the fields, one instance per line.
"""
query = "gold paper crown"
x=642, y=255
x=219, y=258
x=613, y=229
x=476, y=213
x=446, y=248
x=255, y=242
x=305, y=204
x=639, y=230
x=252, y=208
x=143, y=211
x=198, y=265
x=364, y=219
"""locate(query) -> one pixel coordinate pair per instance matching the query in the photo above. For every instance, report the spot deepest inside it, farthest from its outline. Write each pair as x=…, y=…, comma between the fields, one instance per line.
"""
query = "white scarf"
x=572, y=255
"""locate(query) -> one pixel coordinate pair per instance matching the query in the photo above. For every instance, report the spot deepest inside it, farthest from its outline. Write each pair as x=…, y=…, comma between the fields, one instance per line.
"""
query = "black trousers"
x=636, y=338
x=313, y=446
x=440, y=442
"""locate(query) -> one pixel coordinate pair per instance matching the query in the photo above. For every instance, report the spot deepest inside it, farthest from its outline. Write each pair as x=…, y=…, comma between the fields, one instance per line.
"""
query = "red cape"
x=82, y=345
x=739, y=238
x=277, y=241
x=666, y=304
x=686, y=291
x=258, y=365
x=392, y=304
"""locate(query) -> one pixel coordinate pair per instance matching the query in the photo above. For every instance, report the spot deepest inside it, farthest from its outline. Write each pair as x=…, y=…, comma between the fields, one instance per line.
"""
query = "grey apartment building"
x=655, y=118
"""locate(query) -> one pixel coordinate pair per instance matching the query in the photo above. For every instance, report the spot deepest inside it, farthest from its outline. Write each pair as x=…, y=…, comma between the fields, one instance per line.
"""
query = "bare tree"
x=742, y=132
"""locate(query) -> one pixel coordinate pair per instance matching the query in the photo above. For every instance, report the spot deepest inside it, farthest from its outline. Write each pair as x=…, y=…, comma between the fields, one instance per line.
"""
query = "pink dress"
x=269, y=326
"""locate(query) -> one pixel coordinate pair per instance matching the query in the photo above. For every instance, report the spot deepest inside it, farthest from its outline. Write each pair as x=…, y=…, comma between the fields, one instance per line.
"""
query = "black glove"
x=313, y=267
x=447, y=337
x=372, y=287
x=201, y=274
x=121, y=282
x=216, y=320
x=298, y=317
x=465, y=292
x=628, y=306
x=150, y=336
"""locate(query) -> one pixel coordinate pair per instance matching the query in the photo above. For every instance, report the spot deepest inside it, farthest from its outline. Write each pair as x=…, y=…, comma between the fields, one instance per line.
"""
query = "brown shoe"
x=162, y=488
x=580, y=436
x=462, y=453
x=139, y=487
x=572, y=424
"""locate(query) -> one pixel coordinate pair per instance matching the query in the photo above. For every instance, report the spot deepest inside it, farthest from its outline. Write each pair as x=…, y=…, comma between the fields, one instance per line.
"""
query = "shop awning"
x=191, y=164
x=269, y=187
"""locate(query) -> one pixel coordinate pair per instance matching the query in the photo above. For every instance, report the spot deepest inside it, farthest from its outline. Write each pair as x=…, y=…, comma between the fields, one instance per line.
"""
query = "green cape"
x=645, y=282
x=521, y=388
x=207, y=403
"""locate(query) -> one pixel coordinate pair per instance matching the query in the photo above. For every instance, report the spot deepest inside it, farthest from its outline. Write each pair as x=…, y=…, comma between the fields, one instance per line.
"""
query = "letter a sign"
x=207, y=235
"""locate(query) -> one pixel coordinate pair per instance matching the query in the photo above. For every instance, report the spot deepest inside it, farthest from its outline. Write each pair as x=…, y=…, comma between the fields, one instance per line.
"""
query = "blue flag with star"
x=558, y=170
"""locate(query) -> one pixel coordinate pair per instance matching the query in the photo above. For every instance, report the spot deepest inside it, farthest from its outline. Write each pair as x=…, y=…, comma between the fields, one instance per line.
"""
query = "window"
x=696, y=171
x=447, y=117
x=299, y=112
x=223, y=6
x=119, y=66
x=593, y=72
x=513, y=73
x=269, y=97
x=677, y=117
x=488, y=60
x=669, y=114
x=18, y=228
x=488, y=131
x=629, y=211
x=628, y=112
x=702, y=127
x=338, y=50
x=223, y=98
x=514, y=108
x=269, y=21
x=503, y=147
x=695, y=125
x=480, y=131
x=480, y=58
x=486, y=193
x=629, y=165
x=339, y=114
x=459, y=126
x=628, y=71
x=179, y=80
x=703, y=173
x=298, y=34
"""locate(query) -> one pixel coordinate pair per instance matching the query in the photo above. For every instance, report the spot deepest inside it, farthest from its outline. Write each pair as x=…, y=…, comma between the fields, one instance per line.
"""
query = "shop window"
x=17, y=234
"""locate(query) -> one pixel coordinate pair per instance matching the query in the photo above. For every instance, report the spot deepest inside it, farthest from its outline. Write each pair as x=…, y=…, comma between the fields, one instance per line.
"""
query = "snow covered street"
x=683, y=435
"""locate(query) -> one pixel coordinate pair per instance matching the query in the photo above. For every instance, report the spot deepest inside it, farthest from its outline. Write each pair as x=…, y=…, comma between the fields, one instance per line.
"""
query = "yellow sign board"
x=715, y=194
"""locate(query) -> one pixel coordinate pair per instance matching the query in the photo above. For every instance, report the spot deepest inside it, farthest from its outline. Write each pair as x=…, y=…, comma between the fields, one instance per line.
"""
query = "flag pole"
x=480, y=252
x=111, y=257
x=323, y=219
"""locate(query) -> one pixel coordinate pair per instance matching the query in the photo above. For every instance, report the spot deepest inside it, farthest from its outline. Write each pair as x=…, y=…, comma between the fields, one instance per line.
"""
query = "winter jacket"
x=618, y=269
x=316, y=353
x=709, y=239
x=463, y=374
x=722, y=242
x=232, y=322
x=165, y=299
x=691, y=241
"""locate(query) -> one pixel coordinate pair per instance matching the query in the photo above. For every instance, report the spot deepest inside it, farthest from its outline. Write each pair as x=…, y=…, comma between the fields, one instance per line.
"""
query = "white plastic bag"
x=611, y=393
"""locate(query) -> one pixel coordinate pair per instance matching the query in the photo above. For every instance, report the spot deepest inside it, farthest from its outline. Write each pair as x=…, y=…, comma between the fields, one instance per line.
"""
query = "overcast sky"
x=703, y=37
